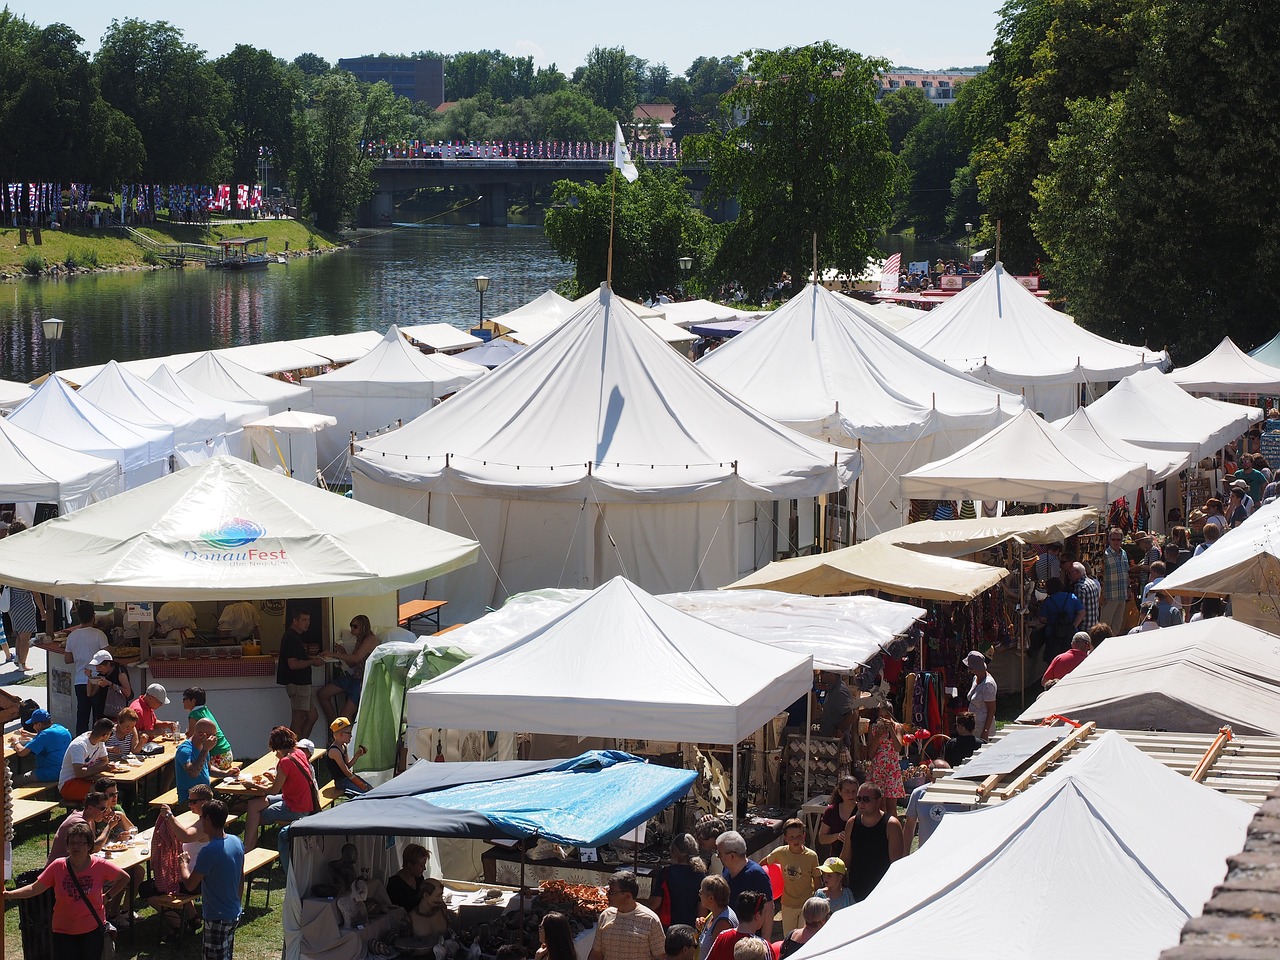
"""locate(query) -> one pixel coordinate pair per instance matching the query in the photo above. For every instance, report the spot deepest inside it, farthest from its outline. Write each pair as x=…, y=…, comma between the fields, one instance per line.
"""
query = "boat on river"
x=249, y=254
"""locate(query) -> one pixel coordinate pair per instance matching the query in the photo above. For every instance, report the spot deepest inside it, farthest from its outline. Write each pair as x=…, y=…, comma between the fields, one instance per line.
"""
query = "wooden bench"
x=36, y=791
x=255, y=860
x=421, y=609
x=329, y=795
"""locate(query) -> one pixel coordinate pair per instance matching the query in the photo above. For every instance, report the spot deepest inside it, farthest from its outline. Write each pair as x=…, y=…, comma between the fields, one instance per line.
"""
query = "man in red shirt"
x=1064, y=663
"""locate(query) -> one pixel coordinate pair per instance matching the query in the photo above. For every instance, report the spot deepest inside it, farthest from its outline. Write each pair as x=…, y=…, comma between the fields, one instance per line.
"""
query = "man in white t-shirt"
x=82, y=643
x=982, y=695
x=84, y=761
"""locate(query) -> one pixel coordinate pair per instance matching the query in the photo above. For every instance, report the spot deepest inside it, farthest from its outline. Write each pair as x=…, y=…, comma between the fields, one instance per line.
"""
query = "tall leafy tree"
x=330, y=169
x=611, y=77
x=312, y=64
x=903, y=109
x=259, y=109
x=172, y=94
x=932, y=153
x=809, y=156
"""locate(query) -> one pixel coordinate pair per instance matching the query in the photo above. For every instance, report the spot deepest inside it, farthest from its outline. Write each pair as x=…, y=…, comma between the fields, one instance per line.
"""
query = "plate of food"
x=116, y=847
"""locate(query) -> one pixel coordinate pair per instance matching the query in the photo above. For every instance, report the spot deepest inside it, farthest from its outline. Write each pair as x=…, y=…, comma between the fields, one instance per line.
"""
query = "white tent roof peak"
x=36, y=470
x=225, y=378
x=821, y=365
x=1027, y=458
x=1085, y=428
x=226, y=528
x=395, y=364
x=603, y=409
x=126, y=395
x=237, y=414
x=698, y=682
x=996, y=327
x=1228, y=369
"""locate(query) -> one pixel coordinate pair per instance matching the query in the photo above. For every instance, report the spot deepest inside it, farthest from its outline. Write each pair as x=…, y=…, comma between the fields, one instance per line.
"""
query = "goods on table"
x=580, y=903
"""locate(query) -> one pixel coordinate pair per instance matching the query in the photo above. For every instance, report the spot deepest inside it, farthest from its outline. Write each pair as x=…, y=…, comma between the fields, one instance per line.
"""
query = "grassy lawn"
x=258, y=938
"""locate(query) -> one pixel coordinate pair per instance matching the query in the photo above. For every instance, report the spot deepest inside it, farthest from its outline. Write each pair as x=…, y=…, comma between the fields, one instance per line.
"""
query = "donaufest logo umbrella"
x=229, y=540
x=233, y=532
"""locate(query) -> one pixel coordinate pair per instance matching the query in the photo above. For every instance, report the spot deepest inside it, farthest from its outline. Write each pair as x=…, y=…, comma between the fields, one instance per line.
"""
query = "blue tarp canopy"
x=587, y=801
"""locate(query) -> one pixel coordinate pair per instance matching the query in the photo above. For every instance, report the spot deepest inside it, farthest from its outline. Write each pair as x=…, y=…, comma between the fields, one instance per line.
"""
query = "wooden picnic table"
x=135, y=776
x=418, y=609
x=241, y=787
x=24, y=810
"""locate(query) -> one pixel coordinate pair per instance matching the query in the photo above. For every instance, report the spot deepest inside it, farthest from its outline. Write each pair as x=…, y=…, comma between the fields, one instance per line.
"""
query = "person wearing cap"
x=982, y=694
x=149, y=726
x=1237, y=511
x=82, y=643
x=84, y=761
x=834, y=873
x=347, y=779
x=1064, y=663
x=47, y=742
x=111, y=688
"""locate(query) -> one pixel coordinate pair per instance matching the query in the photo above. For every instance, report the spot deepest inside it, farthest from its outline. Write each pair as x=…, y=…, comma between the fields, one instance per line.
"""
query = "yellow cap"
x=340, y=724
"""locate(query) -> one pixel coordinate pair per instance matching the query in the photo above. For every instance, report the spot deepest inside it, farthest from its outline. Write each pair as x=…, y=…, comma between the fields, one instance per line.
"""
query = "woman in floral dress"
x=884, y=770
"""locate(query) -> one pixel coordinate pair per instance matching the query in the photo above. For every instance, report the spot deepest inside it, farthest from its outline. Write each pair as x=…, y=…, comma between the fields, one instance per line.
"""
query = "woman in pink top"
x=293, y=793
x=78, y=926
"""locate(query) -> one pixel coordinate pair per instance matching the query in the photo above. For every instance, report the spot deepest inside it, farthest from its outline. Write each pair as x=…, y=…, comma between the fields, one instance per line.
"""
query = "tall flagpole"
x=613, y=193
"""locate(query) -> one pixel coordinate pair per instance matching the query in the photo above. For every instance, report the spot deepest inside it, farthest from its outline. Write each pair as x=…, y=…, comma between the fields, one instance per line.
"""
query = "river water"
x=404, y=276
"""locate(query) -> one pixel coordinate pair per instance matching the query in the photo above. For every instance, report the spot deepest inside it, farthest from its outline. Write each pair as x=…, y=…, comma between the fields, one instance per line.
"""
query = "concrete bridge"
x=489, y=176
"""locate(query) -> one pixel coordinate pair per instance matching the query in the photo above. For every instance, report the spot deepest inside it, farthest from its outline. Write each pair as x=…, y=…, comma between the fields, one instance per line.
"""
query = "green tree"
x=171, y=93
x=312, y=64
x=697, y=99
x=809, y=156
x=611, y=78
x=330, y=170
x=259, y=109
x=904, y=108
x=933, y=152
x=655, y=224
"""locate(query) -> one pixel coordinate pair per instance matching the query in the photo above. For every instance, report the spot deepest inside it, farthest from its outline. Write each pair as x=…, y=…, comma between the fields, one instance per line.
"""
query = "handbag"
x=108, y=945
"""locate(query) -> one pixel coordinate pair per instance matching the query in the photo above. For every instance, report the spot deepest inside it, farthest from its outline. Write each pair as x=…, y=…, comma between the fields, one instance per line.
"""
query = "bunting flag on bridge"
x=622, y=156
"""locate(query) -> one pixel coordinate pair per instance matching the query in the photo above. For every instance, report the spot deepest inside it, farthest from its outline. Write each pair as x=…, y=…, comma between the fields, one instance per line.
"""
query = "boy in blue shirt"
x=48, y=745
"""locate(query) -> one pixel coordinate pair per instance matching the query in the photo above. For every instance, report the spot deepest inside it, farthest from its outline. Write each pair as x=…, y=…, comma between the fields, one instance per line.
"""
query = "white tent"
x=960, y=538
x=821, y=366
x=1000, y=332
x=272, y=357
x=1083, y=427
x=341, y=347
x=12, y=394
x=237, y=413
x=1137, y=847
x=661, y=675
x=876, y=565
x=686, y=313
x=54, y=410
x=196, y=436
x=529, y=323
x=223, y=378
x=1027, y=459
x=492, y=354
x=1149, y=409
x=1191, y=678
x=36, y=470
x=393, y=381
x=1228, y=369
x=441, y=336
x=287, y=442
x=596, y=452
x=225, y=528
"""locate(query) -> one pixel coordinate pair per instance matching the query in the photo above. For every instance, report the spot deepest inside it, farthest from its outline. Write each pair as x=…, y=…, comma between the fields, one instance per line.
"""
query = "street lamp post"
x=482, y=284
x=52, y=334
x=686, y=267
x=968, y=242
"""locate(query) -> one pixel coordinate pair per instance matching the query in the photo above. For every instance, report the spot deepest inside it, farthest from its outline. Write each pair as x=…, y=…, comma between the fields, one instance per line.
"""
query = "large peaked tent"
x=1027, y=459
x=392, y=381
x=55, y=410
x=1228, y=370
x=1083, y=427
x=227, y=379
x=819, y=365
x=1191, y=678
x=1268, y=353
x=196, y=435
x=597, y=451
x=1000, y=332
x=36, y=470
x=1145, y=844
x=227, y=528
x=1149, y=409
x=206, y=405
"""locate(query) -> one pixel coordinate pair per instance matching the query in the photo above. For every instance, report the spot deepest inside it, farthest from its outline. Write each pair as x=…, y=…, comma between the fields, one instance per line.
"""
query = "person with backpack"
x=1061, y=612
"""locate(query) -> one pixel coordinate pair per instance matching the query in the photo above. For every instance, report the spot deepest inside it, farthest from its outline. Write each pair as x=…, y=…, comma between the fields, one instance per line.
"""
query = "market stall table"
x=421, y=609
x=135, y=775
x=265, y=766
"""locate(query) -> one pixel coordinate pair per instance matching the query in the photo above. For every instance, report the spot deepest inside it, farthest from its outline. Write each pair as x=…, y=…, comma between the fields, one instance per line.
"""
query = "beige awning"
x=959, y=538
x=875, y=565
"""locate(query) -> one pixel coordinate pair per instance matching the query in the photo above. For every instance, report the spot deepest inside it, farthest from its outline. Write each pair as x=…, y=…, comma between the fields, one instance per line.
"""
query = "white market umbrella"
x=227, y=528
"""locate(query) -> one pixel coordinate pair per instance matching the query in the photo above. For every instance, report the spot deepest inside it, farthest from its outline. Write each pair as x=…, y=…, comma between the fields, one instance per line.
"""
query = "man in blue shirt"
x=191, y=762
x=216, y=874
x=743, y=874
x=48, y=747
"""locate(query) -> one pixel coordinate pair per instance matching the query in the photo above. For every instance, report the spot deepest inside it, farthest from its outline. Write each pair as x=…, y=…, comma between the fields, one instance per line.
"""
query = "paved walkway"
x=9, y=676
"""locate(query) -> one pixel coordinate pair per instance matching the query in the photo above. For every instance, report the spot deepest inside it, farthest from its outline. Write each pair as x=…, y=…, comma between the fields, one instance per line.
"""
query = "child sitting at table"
x=347, y=779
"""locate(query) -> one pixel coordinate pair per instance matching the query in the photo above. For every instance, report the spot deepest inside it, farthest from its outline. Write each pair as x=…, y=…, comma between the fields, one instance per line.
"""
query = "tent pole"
x=1022, y=617
x=734, y=781
x=857, y=490
x=808, y=740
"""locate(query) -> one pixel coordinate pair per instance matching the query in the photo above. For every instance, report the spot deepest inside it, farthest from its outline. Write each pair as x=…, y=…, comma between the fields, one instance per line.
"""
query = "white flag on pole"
x=622, y=156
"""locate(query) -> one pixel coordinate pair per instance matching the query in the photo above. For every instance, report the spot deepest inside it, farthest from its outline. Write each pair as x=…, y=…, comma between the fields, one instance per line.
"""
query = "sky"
x=929, y=34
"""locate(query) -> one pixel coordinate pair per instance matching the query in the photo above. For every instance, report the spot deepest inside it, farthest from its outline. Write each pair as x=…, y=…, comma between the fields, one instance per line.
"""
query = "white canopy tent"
x=530, y=323
x=687, y=681
x=1000, y=332
x=223, y=378
x=393, y=381
x=1228, y=370
x=444, y=337
x=960, y=538
x=196, y=435
x=876, y=565
x=36, y=470
x=822, y=367
x=12, y=394
x=1083, y=427
x=272, y=357
x=1147, y=844
x=687, y=313
x=1191, y=678
x=597, y=452
x=341, y=347
x=55, y=410
x=493, y=354
x=237, y=414
x=1149, y=409
x=288, y=441
x=1026, y=459
x=225, y=528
